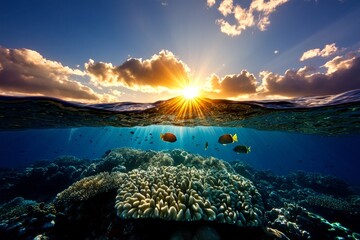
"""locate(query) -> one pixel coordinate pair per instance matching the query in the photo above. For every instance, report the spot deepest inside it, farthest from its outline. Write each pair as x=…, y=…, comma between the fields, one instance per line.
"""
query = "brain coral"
x=188, y=194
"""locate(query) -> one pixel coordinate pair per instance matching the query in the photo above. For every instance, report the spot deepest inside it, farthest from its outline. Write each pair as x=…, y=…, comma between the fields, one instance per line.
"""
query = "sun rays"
x=190, y=92
x=187, y=107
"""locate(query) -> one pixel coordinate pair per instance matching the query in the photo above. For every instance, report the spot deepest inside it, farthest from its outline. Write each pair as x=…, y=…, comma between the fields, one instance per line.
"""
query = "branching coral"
x=91, y=186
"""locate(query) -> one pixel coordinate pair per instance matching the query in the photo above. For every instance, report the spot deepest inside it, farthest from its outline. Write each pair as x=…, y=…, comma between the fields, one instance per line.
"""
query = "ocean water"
x=312, y=139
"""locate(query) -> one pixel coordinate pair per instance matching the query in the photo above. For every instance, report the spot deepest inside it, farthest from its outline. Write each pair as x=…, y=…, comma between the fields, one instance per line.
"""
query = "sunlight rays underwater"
x=277, y=151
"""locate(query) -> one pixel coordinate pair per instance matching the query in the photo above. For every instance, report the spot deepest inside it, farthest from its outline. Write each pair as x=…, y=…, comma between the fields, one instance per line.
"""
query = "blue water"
x=280, y=152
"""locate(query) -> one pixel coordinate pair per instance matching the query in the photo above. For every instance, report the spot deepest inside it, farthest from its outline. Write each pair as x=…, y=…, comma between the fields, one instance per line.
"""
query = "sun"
x=191, y=92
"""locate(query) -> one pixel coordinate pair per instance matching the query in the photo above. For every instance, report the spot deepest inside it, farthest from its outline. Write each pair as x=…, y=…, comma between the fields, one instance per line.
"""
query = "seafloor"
x=134, y=194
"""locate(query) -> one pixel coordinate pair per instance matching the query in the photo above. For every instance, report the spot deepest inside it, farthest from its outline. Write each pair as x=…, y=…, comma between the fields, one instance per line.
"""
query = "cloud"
x=26, y=72
x=257, y=14
x=211, y=3
x=226, y=7
x=339, y=63
x=231, y=86
x=162, y=72
x=328, y=50
x=343, y=74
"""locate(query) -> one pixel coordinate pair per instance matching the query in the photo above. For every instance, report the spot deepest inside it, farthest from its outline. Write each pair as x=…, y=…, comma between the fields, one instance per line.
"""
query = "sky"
x=149, y=50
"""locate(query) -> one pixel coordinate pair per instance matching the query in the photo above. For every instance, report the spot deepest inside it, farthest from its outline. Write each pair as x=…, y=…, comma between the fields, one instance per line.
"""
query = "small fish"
x=132, y=133
x=241, y=149
x=168, y=137
x=206, y=145
x=227, y=138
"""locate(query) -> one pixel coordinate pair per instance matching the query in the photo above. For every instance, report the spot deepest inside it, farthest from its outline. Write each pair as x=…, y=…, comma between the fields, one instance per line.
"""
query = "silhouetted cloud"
x=161, y=72
x=231, y=86
x=257, y=14
x=26, y=72
x=343, y=74
x=328, y=50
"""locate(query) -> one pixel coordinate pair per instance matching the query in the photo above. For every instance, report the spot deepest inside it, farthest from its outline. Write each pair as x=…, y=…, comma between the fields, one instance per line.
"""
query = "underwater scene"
x=180, y=120
x=180, y=169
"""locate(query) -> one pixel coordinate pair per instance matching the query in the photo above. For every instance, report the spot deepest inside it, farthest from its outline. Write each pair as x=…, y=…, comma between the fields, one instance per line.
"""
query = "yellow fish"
x=227, y=138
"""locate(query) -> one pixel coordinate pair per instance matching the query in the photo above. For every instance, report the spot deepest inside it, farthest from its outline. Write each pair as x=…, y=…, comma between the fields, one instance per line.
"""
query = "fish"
x=206, y=145
x=242, y=149
x=227, y=138
x=168, y=137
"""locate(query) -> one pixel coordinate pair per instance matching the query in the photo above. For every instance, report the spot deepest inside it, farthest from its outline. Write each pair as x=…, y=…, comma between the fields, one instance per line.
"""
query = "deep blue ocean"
x=280, y=152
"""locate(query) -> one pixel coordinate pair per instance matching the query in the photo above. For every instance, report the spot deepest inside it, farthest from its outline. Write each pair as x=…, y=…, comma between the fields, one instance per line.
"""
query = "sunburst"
x=191, y=92
x=189, y=106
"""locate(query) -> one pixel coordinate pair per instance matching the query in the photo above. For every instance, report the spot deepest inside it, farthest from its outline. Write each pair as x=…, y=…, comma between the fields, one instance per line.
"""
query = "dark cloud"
x=343, y=74
x=231, y=86
x=26, y=72
x=162, y=71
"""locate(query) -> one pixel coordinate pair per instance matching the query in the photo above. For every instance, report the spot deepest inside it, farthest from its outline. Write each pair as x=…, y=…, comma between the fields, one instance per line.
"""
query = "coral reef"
x=129, y=193
x=329, y=202
x=24, y=219
x=81, y=220
x=299, y=223
x=91, y=186
x=284, y=219
x=195, y=160
x=42, y=180
x=188, y=194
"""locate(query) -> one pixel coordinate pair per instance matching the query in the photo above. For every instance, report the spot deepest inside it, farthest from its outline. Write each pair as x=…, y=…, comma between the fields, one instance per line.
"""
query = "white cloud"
x=257, y=14
x=226, y=7
x=329, y=49
x=339, y=63
x=211, y=3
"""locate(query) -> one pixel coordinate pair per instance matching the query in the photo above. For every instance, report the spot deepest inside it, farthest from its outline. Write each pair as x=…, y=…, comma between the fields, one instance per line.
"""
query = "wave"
x=326, y=115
